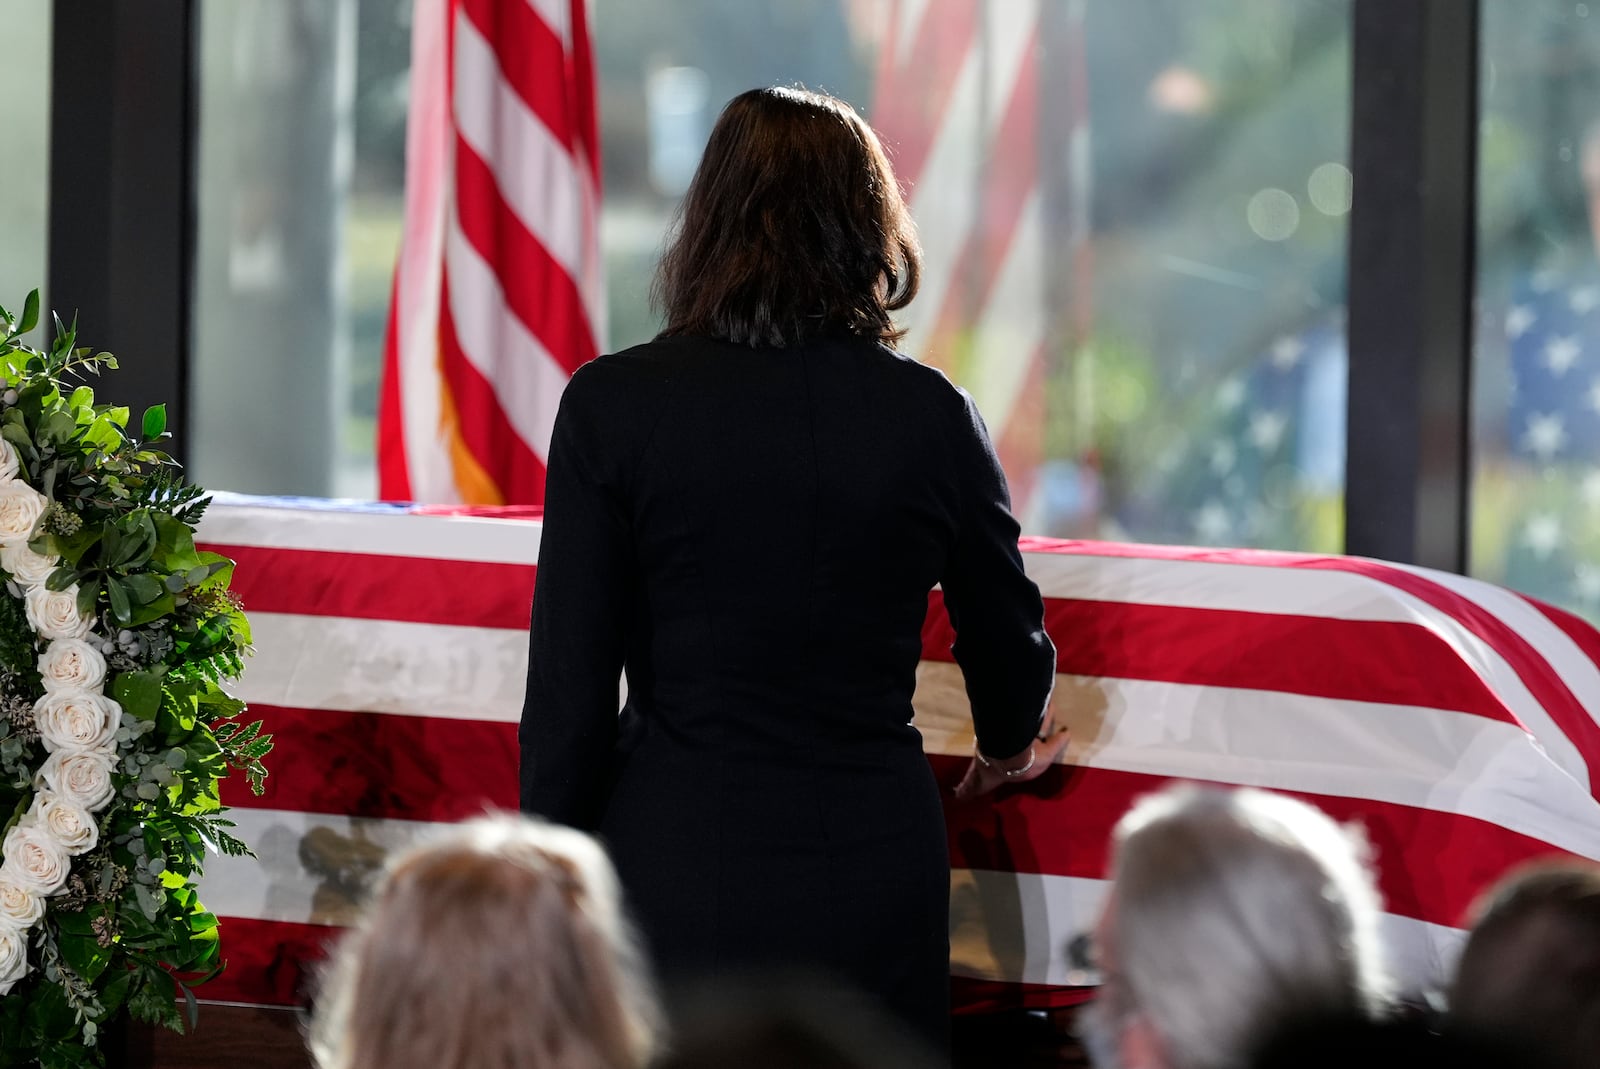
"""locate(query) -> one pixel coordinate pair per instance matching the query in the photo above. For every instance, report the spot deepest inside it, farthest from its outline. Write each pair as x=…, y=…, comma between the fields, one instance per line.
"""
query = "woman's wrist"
x=1016, y=765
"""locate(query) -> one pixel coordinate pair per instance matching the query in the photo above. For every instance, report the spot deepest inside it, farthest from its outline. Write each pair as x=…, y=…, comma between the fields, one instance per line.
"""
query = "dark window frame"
x=1413, y=228
x=122, y=111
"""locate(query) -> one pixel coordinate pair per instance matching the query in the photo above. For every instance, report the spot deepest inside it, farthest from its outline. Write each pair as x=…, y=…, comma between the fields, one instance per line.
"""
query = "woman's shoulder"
x=642, y=372
x=929, y=384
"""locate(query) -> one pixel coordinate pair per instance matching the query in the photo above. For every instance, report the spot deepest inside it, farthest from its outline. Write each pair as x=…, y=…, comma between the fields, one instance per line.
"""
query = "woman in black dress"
x=746, y=516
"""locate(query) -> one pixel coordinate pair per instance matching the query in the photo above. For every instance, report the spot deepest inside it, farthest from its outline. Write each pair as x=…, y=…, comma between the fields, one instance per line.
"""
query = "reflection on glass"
x=25, y=122
x=1536, y=480
x=1134, y=217
x=301, y=163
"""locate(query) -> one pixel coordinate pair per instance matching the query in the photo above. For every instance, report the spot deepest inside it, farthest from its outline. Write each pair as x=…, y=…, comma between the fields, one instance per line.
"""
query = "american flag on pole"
x=957, y=105
x=498, y=295
x=1455, y=721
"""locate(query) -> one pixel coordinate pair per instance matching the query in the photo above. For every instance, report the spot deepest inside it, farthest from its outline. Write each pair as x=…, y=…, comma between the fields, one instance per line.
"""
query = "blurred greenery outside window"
x=1536, y=415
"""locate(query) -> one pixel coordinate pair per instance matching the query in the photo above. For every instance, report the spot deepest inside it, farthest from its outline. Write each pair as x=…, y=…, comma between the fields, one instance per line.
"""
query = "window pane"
x=25, y=118
x=1536, y=479
x=301, y=164
x=1135, y=225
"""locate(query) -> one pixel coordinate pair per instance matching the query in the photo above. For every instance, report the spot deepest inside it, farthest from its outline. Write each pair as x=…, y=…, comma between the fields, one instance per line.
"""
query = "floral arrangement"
x=116, y=637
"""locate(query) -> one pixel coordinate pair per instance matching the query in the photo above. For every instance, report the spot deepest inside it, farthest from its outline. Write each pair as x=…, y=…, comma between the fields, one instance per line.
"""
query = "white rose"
x=54, y=613
x=20, y=506
x=72, y=828
x=80, y=777
x=13, y=958
x=76, y=719
x=72, y=664
x=20, y=908
x=10, y=463
x=33, y=860
x=23, y=564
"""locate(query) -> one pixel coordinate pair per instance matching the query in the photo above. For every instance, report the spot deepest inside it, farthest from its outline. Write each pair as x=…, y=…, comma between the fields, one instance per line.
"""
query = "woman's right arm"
x=578, y=638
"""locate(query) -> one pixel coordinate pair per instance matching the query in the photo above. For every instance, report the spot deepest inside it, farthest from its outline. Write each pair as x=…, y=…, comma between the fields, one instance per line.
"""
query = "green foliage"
x=128, y=934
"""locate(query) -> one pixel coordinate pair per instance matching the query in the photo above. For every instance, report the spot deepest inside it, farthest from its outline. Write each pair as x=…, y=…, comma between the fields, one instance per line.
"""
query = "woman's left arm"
x=577, y=642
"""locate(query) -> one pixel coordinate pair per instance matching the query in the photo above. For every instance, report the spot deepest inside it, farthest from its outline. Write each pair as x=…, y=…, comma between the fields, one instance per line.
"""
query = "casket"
x=1452, y=720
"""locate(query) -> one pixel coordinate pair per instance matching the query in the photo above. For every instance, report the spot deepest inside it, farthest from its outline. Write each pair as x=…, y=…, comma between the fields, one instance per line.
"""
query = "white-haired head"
x=1231, y=912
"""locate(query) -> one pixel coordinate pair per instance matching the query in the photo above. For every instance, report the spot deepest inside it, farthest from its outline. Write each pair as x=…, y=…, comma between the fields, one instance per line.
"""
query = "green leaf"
x=61, y=578
x=164, y=605
x=50, y=1015
x=19, y=812
x=191, y=1007
x=103, y=434
x=57, y=427
x=222, y=570
x=139, y=693
x=144, y=587
x=79, y=945
x=119, y=599
x=17, y=433
x=115, y=991
x=111, y=544
x=30, y=313
x=176, y=542
x=149, y=901
x=155, y=421
x=82, y=397
x=88, y=595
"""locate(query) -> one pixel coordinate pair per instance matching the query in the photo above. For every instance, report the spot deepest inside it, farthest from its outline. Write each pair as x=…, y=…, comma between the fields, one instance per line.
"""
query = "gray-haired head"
x=1232, y=911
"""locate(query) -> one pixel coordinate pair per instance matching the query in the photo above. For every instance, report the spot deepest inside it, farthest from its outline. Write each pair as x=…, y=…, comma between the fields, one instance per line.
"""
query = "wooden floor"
x=237, y=1037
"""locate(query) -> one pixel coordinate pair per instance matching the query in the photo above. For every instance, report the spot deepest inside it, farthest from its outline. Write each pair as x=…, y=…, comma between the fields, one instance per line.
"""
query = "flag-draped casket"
x=1453, y=720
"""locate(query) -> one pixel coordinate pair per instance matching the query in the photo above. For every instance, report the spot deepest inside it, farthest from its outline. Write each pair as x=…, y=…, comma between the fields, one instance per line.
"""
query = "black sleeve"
x=577, y=641
x=1007, y=658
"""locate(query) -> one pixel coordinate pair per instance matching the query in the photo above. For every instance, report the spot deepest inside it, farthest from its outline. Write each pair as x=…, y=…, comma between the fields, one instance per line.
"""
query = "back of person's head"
x=501, y=945
x=1231, y=911
x=786, y=1022
x=1531, y=966
x=793, y=227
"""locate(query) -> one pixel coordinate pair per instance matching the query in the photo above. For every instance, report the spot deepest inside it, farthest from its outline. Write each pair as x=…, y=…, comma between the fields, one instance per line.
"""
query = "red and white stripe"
x=957, y=105
x=498, y=294
x=1453, y=720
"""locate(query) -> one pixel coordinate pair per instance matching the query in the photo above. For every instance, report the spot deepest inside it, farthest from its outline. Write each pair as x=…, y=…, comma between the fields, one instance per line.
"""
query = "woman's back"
x=791, y=511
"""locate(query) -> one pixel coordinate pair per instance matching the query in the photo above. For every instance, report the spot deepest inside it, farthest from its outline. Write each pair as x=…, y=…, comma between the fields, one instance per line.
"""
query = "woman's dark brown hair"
x=793, y=227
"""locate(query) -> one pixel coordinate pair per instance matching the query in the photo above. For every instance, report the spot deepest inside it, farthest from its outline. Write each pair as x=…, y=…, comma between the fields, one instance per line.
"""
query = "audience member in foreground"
x=500, y=946
x=1231, y=913
x=1531, y=967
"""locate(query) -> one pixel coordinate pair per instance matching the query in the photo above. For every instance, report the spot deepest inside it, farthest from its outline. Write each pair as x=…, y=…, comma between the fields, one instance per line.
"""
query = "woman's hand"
x=985, y=774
